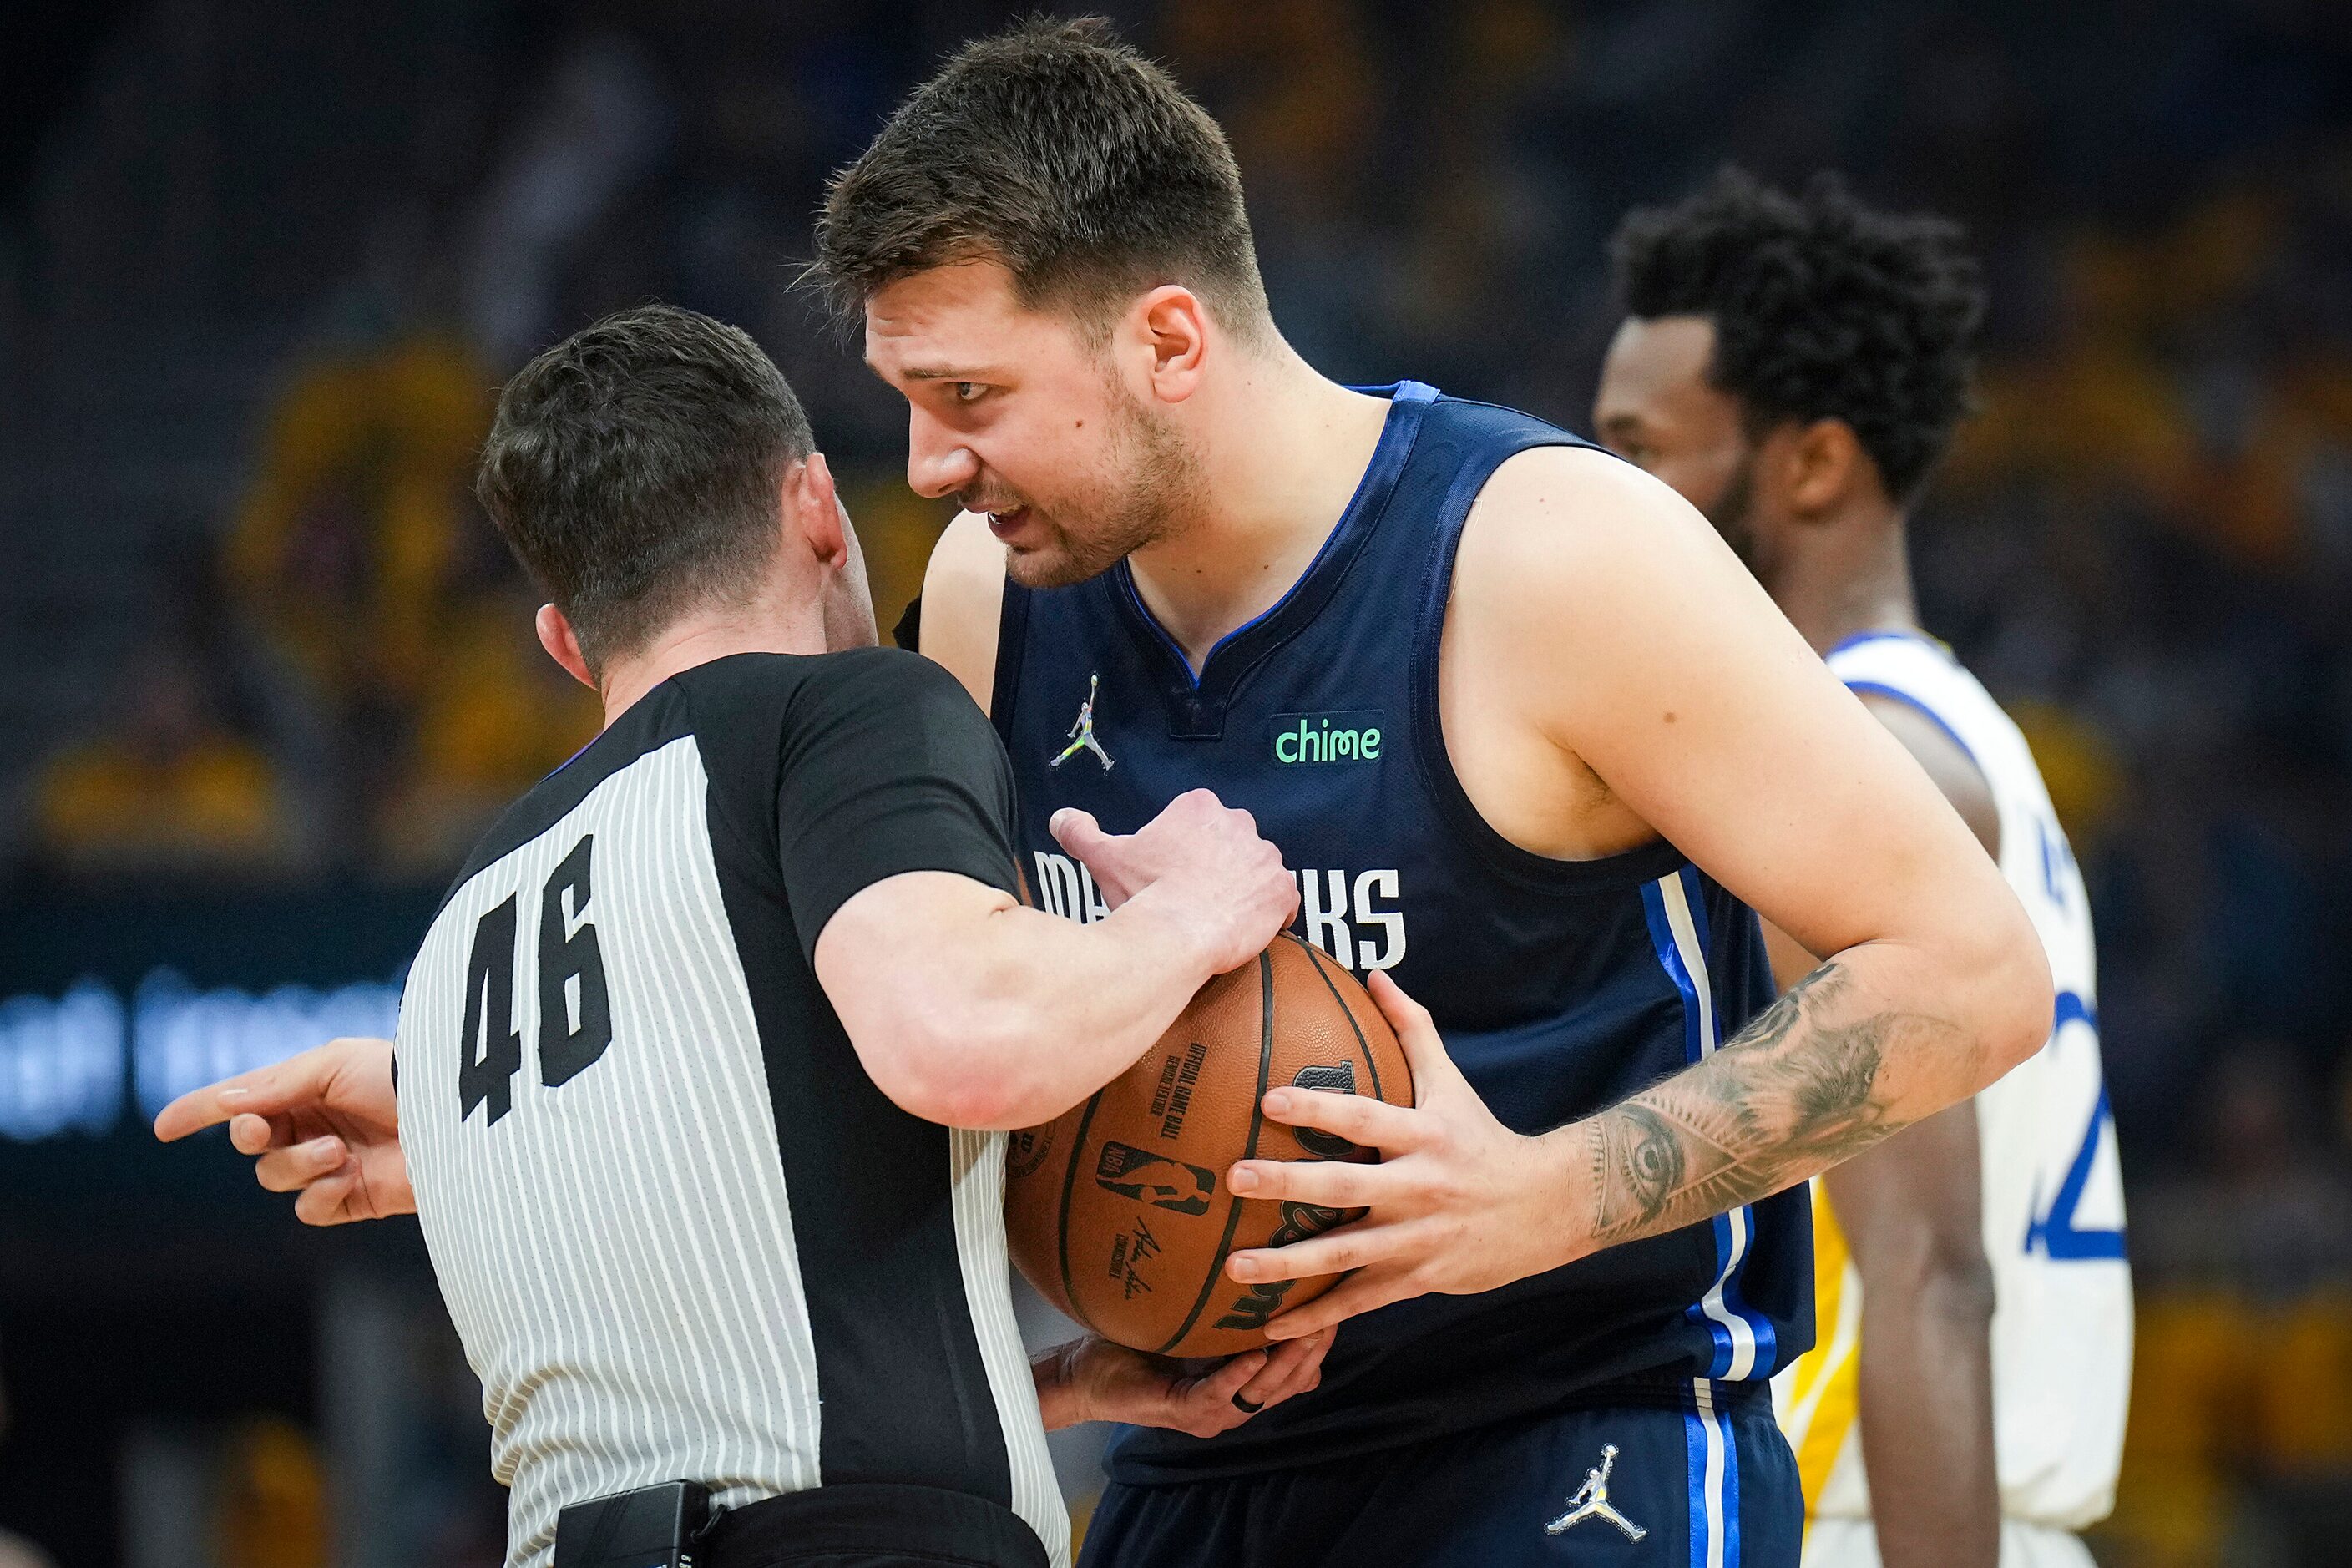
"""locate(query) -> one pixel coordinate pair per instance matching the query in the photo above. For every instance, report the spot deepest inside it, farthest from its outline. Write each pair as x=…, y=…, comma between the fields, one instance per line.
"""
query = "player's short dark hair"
x=1066, y=156
x=634, y=470
x=1823, y=308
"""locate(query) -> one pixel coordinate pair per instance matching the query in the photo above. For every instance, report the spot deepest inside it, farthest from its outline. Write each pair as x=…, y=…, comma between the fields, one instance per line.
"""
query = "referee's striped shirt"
x=681, y=1233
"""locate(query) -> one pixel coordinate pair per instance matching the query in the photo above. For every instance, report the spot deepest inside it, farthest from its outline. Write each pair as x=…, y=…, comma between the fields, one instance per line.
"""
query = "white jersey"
x=2053, y=1203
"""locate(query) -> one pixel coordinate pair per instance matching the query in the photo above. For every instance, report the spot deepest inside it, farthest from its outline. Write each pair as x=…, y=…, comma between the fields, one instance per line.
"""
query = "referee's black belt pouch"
x=871, y=1524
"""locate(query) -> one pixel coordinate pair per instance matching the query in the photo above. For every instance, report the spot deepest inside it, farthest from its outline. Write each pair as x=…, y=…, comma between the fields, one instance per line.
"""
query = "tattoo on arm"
x=1796, y=1092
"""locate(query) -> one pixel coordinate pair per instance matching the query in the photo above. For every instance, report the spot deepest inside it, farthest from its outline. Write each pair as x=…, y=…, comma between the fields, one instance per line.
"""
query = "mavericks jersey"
x=2053, y=1202
x=1559, y=987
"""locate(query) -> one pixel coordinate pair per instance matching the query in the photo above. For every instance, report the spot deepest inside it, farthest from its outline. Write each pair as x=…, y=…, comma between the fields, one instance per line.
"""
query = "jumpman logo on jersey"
x=1082, y=731
x=1592, y=1501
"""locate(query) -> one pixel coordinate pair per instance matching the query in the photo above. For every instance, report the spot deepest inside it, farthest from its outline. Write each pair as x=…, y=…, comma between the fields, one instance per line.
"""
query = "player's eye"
x=968, y=391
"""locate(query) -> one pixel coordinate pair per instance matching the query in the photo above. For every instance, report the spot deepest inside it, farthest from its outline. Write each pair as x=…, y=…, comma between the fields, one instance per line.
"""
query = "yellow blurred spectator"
x=2077, y=762
x=167, y=788
x=346, y=544
x=2241, y=1386
x=493, y=716
x=2214, y=254
x=2226, y=1390
x=273, y=1511
x=896, y=528
x=2101, y=410
x=1296, y=92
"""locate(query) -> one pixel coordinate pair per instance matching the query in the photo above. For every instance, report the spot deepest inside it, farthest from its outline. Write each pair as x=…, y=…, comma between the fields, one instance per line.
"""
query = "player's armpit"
x=964, y=604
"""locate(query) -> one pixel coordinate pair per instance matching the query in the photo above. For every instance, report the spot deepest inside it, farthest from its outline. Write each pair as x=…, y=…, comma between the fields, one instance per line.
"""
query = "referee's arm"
x=968, y=1008
x=965, y=1006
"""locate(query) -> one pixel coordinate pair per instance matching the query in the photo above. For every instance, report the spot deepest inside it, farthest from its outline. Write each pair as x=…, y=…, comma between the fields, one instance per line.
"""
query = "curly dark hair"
x=1823, y=308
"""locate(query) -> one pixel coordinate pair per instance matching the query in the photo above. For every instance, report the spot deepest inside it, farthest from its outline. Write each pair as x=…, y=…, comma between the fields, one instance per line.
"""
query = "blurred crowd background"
x=267, y=671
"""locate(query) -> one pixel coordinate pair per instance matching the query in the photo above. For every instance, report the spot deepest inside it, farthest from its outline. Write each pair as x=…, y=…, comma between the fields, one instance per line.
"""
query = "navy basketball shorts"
x=1712, y=1485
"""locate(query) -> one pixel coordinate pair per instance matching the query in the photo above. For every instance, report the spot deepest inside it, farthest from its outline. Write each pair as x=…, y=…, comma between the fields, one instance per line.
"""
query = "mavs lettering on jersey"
x=1356, y=917
x=1559, y=987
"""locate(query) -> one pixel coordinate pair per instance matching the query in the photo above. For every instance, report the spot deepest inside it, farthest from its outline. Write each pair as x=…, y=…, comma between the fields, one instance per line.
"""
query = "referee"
x=697, y=1063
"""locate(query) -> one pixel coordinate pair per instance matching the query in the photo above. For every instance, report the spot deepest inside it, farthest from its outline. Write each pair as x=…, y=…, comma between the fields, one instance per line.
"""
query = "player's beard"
x=1149, y=486
x=1733, y=511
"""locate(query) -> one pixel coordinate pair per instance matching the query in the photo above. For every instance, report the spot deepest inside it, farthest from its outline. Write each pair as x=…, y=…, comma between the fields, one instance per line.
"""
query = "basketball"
x=1118, y=1210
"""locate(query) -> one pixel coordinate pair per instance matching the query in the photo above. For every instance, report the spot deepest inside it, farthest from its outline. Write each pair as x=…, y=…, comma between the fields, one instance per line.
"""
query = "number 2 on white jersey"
x=2053, y=1230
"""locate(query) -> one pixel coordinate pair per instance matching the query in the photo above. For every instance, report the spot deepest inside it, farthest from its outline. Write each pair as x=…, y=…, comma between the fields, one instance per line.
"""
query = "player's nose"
x=938, y=464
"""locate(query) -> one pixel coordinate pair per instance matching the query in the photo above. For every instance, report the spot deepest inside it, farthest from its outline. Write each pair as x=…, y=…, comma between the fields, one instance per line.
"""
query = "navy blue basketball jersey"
x=1560, y=987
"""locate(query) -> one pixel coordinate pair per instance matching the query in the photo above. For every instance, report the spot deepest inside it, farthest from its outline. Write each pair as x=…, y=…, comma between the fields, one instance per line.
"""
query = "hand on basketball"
x=325, y=1125
x=1093, y=1380
x=1226, y=883
x=1456, y=1205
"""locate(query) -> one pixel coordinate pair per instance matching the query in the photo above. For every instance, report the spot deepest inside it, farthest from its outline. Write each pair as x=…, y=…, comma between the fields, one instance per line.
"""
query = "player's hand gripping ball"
x=1119, y=1210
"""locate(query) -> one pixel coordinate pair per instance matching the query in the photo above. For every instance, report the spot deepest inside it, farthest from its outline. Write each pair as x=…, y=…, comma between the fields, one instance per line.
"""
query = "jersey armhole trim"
x=1896, y=694
x=1922, y=639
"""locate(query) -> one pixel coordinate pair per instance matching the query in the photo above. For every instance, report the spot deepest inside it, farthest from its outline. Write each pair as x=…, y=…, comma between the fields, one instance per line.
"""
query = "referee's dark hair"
x=636, y=469
x=1823, y=308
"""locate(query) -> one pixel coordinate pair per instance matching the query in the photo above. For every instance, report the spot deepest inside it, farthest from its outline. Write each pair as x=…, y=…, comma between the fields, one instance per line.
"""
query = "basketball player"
x=1532, y=742
x=733, y=1215
x=1794, y=366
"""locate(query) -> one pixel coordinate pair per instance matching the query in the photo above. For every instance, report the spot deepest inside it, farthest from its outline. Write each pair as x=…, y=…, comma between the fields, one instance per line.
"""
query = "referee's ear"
x=555, y=635
x=815, y=505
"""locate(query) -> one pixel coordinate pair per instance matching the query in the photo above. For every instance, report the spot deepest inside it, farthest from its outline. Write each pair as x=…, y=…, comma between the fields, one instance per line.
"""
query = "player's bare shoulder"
x=1568, y=560
x=1575, y=519
x=963, y=604
x=1598, y=581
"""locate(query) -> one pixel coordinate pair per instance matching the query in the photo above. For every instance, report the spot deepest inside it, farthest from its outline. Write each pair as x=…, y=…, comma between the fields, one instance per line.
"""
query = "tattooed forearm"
x=1799, y=1091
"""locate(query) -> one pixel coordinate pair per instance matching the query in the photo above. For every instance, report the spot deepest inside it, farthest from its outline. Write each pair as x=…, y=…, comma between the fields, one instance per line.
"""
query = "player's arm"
x=964, y=604
x=1912, y=1212
x=1650, y=653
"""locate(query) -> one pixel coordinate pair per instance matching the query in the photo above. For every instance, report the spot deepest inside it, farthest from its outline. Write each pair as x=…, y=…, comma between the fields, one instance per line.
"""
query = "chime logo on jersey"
x=1356, y=917
x=1304, y=739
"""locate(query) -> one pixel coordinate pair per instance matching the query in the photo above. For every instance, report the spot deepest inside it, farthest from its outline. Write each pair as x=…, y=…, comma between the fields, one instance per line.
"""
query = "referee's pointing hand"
x=325, y=1124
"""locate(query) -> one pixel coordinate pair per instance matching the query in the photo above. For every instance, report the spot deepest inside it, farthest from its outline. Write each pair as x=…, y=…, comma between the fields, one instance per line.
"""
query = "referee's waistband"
x=883, y=1521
